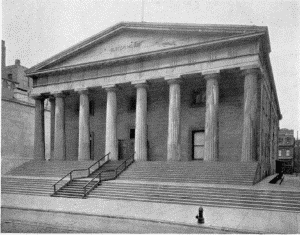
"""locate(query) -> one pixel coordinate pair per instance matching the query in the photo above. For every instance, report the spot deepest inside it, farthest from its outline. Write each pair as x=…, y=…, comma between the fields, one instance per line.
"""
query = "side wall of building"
x=17, y=133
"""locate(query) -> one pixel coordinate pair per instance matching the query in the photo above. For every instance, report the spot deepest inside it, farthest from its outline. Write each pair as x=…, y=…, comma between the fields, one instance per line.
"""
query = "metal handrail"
x=70, y=173
x=89, y=168
x=99, y=175
x=99, y=181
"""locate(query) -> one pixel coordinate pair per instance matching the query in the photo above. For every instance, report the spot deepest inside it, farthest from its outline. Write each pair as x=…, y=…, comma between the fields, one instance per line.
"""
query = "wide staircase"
x=58, y=169
x=186, y=183
x=234, y=173
x=81, y=187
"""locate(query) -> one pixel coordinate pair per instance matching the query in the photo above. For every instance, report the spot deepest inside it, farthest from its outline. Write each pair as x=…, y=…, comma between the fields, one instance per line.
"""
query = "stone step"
x=203, y=195
x=201, y=203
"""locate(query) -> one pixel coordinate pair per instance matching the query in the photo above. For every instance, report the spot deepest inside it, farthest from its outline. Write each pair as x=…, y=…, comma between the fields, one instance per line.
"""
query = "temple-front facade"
x=168, y=92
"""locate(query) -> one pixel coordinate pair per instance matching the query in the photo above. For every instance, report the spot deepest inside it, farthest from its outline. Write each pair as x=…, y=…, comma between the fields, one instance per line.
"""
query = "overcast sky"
x=34, y=30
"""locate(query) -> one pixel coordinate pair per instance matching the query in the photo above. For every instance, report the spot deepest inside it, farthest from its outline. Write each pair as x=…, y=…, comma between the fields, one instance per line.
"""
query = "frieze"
x=155, y=64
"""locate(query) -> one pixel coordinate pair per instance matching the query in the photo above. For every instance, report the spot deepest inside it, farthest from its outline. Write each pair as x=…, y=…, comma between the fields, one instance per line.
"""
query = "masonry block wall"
x=17, y=133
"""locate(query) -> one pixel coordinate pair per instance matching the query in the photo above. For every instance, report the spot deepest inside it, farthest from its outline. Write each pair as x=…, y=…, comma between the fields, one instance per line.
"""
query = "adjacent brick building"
x=286, y=151
x=171, y=92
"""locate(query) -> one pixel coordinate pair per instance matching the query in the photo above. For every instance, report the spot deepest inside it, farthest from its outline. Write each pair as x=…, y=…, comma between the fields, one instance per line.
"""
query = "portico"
x=157, y=89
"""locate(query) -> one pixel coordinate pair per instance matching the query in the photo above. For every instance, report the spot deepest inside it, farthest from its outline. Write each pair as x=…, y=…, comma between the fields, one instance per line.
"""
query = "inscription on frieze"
x=119, y=48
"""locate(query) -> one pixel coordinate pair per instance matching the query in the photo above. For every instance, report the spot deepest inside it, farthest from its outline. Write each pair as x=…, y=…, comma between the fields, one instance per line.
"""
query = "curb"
x=226, y=229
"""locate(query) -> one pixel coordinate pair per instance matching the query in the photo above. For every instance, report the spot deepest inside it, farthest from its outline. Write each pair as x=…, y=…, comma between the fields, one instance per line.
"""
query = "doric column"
x=174, y=120
x=52, y=126
x=140, y=142
x=111, y=142
x=59, y=136
x=211, y=117
x=84, y=126
x=39, y=129
x=250, y=109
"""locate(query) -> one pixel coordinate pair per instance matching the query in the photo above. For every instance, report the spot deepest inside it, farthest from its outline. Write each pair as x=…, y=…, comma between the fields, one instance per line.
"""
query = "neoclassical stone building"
x=178, y=92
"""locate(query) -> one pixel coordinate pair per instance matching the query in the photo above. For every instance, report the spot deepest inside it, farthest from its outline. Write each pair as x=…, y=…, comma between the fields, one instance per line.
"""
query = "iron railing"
x=125, y=164
x=71, y=177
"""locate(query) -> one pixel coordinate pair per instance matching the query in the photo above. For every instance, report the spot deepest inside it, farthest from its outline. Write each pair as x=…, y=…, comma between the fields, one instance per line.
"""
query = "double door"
x=198, y=145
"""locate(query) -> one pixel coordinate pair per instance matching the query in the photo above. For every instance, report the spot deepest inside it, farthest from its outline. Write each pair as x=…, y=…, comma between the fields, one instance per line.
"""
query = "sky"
x=35, y=30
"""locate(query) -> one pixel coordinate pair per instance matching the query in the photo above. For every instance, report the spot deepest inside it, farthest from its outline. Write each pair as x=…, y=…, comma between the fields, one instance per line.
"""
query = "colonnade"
x=58, y=138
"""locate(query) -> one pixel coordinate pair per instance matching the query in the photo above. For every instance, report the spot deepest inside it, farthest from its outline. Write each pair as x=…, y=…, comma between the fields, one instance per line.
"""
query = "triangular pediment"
x=131, y=39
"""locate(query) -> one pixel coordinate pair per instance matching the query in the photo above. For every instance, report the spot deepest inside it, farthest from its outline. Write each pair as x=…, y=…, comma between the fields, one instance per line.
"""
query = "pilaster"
x=39, y=129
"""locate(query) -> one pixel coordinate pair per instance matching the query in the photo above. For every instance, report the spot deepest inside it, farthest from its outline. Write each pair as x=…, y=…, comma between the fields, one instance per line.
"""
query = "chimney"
x=17, y=62
x=3, y=63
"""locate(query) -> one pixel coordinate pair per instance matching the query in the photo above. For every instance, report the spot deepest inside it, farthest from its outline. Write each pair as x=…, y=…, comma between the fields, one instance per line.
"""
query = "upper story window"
x=288, y=152
x=132, y=103
x=92, y=108
x=279, y=153
x=198, y=98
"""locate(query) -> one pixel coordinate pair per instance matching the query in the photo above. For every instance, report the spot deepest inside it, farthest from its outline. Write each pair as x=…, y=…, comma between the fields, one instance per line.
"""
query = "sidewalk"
x=238, y=220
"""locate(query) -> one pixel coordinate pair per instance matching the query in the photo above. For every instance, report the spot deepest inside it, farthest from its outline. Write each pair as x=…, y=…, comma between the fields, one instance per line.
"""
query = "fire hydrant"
x=200, y=216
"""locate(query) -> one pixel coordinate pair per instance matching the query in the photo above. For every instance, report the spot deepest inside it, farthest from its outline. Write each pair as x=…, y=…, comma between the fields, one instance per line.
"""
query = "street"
x=29, y=221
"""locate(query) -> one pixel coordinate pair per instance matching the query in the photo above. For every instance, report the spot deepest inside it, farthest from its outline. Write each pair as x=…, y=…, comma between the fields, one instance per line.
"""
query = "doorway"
x=126, y=146
x=198, y=145
x=92, y=144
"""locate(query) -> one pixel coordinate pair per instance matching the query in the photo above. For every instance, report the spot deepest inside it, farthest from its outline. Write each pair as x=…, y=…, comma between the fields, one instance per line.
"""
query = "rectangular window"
x=92, y=108
x=287, y=153
x=279, y=153
x=132, y=104
x=198, y=98
x=132, y=134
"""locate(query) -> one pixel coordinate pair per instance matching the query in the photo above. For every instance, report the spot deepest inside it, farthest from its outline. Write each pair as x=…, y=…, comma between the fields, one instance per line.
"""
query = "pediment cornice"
x=143, y=26
x=162, y=52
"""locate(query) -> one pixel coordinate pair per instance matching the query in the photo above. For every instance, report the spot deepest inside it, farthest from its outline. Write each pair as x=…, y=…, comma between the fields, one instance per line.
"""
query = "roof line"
x=123, y=25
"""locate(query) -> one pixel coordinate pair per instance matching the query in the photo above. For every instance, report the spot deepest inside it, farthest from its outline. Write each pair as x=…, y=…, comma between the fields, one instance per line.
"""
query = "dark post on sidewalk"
x=200, y=216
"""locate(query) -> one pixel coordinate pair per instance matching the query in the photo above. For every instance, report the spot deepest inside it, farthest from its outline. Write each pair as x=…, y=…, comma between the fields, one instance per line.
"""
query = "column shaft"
x=39, y=130
x=60, y=137
x=84, y=127
x=174, y=121
x=250, y=109
x=52, y=126
x=111, y=144
x=211, y=118
x=140, y=144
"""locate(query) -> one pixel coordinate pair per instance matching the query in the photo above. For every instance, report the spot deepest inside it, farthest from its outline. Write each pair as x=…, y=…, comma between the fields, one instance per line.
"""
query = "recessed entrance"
x=198, y=145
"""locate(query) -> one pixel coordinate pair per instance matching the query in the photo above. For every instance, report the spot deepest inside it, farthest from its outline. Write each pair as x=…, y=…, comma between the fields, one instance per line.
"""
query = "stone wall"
x=17, y=133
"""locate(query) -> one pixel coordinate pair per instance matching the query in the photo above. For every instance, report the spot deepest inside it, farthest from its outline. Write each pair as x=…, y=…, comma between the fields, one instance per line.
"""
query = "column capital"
x=84, y=91
x=254, y=71
x=110, y=87
x=138, y=84
x=173, y=78
x=58, y=94
x=211, y=74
